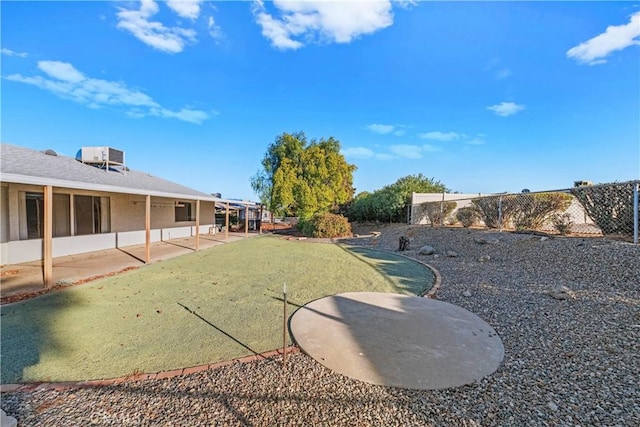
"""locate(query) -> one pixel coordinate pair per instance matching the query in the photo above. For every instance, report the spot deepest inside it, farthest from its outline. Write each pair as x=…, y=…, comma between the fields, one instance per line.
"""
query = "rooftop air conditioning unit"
x=106, y=156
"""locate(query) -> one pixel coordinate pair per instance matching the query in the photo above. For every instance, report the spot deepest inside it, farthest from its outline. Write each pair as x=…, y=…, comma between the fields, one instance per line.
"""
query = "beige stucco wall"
x=127, y=218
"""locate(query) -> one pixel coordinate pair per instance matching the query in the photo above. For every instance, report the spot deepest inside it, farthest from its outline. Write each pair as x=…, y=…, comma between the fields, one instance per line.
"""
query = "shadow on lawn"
x=27, y=335
x=221, y=331
x=395, y=266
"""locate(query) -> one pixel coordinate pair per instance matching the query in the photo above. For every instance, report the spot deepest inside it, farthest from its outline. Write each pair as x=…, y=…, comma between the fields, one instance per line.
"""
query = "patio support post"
x=260, y=219
x=246, y=220
x=226, y=222
x=47, y=238
x=635, y=213
x=197, y=224
x=147, y=226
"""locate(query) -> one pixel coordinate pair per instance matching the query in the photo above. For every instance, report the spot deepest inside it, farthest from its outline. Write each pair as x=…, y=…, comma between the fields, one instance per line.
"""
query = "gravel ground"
x=568, y=362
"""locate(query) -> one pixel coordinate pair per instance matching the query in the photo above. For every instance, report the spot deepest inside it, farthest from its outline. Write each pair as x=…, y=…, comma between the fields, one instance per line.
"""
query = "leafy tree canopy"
x=301, y=178
x=389, y=204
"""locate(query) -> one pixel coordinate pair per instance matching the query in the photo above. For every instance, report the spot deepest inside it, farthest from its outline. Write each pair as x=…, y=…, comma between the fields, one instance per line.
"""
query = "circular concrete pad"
x=397, y=340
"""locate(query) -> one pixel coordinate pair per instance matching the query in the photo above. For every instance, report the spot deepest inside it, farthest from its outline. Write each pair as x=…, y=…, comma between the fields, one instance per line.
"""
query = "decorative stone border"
x=58, y=386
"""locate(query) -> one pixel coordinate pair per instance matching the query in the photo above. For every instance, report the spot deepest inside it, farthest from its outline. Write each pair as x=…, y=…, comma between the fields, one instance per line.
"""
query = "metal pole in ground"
x=500, y=213
x=442, y=211
x=635, y=213
x=284, y=328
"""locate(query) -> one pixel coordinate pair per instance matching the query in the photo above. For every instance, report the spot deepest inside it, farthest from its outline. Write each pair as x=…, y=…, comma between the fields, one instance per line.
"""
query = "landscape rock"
x=561, y=292
x=426, y=250
x=486, y=240
x=452, y=254
x=466, y=294
x=484, y=258
x=7, y=421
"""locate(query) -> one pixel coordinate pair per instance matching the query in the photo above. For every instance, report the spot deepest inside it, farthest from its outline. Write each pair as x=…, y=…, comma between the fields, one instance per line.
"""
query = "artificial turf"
x=213, y=305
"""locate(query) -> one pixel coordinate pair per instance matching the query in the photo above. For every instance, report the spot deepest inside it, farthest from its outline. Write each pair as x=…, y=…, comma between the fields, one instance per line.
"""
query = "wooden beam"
x=47, y=238
x=226, y=223
x=147, y=227
x=260, y=219
x=246, y=220
x=197, y=225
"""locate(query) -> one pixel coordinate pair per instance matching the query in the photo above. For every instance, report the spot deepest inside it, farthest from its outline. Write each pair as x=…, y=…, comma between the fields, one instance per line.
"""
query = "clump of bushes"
x=521, y=211
x=488, y=209
x=437, y=211
x=531, y=211
x=325, y=225
x=467, y=216
x=610, y=206
x=562, y=223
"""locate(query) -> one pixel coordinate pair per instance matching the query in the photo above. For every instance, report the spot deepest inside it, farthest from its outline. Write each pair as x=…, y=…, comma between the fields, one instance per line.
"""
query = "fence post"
x=635, y=213
x=500, y=214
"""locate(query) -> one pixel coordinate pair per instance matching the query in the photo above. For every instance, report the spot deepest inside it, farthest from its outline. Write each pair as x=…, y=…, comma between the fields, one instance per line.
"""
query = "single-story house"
x=53, y=205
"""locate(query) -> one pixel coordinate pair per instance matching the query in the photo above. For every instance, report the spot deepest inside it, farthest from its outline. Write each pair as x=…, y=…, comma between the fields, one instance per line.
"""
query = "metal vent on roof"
x=50, y=152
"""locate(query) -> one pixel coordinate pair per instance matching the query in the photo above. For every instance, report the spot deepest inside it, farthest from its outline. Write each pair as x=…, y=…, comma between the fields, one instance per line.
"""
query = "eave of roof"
x=27, y=166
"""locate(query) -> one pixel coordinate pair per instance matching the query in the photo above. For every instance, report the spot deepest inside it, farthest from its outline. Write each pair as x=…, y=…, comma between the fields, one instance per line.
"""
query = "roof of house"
x=28, y=166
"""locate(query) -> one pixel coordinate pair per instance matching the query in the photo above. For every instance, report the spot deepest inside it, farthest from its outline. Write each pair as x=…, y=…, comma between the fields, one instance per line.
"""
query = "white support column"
x=47, y=238
x=147, y=227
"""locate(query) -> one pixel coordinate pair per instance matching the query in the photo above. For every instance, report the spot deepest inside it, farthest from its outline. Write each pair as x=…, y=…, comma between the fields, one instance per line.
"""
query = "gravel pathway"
x=572, y=354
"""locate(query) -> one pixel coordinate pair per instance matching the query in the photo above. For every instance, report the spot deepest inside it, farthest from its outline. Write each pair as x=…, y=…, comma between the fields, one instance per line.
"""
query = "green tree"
x=389, y=204
x=302, y=178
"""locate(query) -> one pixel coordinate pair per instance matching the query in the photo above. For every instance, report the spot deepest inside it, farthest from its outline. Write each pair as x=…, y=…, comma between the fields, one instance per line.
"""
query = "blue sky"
x=482, y=96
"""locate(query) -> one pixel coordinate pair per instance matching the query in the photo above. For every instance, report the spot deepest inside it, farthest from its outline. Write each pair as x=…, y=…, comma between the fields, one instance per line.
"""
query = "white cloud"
x=357, y=152
x=440, y=136
x=9, y=52
x=505, y=109
x=475, y=141
x=397, y=130
x=185, y=114
x=189, y=9
x=381, y=129
x=63, y=80
x=495, y=67
x=214, y=30
x=595, y=50
x=153, y=33
x=430, y=148
x=407, y=151
x=61, y=71
x=301, y=22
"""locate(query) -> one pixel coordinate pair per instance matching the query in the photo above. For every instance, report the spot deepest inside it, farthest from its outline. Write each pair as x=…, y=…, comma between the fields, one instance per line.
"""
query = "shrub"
x=468, y=216
x=437, y=211
x=531, y=211
x=488, y=209
x=610, y=206
x=325, y=225
x=562, y=223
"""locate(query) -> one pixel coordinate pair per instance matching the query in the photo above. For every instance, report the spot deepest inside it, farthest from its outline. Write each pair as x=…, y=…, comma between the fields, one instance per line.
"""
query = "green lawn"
x=205, y=307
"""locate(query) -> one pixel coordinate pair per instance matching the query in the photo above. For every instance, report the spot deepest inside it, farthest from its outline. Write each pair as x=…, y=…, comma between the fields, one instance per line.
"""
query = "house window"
x=92, y=214
x=35, y=215
x=184, y=212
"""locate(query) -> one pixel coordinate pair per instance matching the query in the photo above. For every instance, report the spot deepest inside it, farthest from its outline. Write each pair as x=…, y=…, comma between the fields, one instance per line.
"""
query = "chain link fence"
x=590, y=210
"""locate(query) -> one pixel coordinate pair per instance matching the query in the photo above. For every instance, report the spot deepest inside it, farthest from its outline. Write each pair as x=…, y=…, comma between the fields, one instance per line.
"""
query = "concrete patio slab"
x=397, y=340
x=27, y=277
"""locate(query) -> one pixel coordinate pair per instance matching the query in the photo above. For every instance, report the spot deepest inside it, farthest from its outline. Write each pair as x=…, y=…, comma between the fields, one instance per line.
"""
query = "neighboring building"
x=96, y=205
